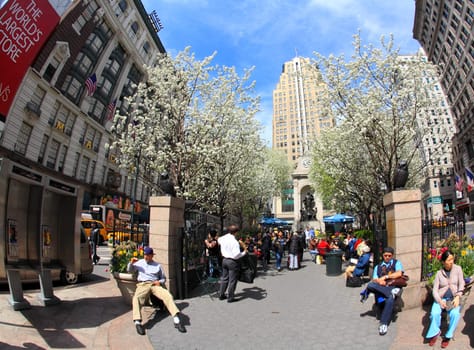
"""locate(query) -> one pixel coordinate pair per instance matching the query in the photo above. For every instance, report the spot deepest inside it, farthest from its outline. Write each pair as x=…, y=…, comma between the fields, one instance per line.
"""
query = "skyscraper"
x=444, y=30
x=297, y=117
x=297, y=121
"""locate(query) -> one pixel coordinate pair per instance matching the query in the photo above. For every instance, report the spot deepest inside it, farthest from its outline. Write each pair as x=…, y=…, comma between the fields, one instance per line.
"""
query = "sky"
x=266, y=33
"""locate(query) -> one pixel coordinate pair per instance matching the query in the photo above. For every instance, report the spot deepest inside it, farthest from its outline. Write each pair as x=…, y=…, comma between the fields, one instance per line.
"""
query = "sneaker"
x=396, y=292
x=383, y=329
x=364, y=295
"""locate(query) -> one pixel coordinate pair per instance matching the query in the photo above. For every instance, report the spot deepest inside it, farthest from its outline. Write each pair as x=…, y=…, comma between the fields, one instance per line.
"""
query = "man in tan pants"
x=151, y=279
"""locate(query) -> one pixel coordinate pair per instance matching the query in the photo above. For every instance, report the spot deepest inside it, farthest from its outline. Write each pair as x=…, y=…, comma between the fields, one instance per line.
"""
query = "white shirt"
x=230, y=247
x=147, y=271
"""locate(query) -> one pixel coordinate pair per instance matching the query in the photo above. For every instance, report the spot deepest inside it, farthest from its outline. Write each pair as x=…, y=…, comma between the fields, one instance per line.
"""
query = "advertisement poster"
x=25, y=25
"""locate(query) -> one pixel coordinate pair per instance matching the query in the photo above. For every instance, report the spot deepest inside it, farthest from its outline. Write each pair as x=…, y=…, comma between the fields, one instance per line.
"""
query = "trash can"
x=334, y=262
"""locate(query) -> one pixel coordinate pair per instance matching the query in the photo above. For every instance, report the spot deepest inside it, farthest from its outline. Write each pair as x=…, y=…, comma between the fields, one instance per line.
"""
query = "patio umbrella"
x=273, y=221
x=338, y=218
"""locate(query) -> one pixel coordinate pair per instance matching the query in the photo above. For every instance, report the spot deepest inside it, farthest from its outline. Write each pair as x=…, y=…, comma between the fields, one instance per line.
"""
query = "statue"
x=309, y=209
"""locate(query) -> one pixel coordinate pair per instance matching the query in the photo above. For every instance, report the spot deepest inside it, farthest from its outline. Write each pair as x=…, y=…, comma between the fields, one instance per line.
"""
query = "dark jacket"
x=294, y=244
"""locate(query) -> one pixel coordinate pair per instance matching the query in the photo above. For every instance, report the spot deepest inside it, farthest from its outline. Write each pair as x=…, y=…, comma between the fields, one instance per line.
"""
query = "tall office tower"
x=297, y=121
x=445, y=30
x=297, y=117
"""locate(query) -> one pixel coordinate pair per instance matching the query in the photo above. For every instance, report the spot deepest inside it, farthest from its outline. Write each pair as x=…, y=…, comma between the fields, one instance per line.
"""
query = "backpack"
x=353, y=281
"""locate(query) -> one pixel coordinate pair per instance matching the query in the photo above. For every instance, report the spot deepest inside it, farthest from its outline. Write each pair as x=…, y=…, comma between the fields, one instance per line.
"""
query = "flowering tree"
x=381, y=102
x=193, y=121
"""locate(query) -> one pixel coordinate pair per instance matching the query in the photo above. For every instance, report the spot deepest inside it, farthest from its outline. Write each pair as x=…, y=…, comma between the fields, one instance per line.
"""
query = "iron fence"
x=438, y=230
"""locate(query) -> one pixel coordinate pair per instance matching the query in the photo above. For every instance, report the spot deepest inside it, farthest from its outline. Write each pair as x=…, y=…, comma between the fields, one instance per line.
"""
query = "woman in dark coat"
x=293, y=250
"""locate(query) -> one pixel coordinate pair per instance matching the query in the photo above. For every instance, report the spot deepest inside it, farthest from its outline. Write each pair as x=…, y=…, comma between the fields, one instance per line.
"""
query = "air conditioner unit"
x=33, y=108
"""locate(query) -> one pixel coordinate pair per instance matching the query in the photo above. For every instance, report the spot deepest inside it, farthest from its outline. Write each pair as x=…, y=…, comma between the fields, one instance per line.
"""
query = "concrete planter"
x=127, y=283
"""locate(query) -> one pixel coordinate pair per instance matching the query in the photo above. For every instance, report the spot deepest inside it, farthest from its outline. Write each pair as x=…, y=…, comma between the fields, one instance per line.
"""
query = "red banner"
x=24, y=27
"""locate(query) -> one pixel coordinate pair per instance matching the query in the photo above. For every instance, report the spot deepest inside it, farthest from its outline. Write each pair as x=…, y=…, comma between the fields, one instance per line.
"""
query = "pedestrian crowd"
x=286, y=248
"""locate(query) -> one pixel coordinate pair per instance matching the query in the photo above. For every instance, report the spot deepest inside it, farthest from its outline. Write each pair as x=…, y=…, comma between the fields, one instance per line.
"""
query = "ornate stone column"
x=166, y=225
x=403, y=216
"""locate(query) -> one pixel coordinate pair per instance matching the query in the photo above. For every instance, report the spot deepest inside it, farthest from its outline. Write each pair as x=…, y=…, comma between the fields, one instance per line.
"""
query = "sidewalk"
x=280, y=310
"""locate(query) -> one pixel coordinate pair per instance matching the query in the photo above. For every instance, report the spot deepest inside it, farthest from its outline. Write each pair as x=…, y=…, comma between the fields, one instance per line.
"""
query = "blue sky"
x=266, y=33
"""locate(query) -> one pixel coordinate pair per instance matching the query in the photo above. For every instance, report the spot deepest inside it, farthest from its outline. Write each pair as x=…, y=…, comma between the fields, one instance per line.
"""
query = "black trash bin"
x=334, y=262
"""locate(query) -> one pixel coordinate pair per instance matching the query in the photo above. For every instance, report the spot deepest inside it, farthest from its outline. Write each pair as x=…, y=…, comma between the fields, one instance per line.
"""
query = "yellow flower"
x=463, y=253
x=135, y=253
x=429, y=256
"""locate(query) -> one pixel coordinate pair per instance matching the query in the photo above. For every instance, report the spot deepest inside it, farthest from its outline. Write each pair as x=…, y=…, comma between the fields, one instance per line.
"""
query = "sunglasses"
x=387, y=255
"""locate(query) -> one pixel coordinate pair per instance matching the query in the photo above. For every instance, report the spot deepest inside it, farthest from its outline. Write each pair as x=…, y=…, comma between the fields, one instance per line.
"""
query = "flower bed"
x=463, y=250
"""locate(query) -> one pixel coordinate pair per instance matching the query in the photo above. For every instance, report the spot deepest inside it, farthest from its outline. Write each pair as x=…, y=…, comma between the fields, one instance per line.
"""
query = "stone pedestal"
x=404, y=232
x=166, y=226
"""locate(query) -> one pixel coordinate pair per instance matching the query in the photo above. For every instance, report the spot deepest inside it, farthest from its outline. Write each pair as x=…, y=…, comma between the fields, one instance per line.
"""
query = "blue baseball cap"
x=148, y=251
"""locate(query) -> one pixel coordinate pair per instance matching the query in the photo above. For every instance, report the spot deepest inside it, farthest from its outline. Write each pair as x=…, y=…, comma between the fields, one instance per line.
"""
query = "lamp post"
x=134, y=193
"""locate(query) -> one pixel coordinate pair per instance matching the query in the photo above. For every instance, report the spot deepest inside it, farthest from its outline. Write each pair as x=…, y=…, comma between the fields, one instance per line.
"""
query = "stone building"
x=54, y=158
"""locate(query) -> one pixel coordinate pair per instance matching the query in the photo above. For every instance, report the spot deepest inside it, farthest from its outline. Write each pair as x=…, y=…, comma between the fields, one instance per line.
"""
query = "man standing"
x=230, y=250
x=94, y=240
x=151, y=279
x=388, y=269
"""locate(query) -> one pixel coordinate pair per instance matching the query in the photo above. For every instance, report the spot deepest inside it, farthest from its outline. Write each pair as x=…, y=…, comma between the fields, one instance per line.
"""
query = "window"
x=42, y=151
x=76, y=163
x=23, y=138
x=53, y=154
x=123, y=6
x=51, y=69
x=36, y=100
x=91, y=173
x=62, y=158
x=84, y=168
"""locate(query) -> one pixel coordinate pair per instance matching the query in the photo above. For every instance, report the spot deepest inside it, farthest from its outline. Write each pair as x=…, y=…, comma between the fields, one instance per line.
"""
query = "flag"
x=91, y=85
x=459, y=182
x=470, y=179
x=111, y=110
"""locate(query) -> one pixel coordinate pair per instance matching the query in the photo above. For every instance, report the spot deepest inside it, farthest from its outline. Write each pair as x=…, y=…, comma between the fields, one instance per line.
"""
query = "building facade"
x=435, y=129
x=444, y=28
x=297, y=121
x=55, y=160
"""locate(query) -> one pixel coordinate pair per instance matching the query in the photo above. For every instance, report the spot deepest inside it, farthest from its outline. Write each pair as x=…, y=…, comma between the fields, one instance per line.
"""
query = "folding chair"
x=209, y=284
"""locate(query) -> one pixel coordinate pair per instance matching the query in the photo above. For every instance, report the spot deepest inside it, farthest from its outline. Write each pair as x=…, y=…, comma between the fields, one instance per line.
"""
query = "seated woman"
x=323, y=247
x=364, y=261
x=448, y=287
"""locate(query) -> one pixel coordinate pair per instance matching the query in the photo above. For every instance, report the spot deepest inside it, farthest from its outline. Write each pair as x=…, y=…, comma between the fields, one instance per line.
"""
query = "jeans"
x=435, y=316
x=213, y=265
x=278, y=256
x=386, y=292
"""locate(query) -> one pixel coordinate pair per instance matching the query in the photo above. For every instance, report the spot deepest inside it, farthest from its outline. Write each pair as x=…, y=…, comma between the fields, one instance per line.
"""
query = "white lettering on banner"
x=18, y=30
x=4, y=92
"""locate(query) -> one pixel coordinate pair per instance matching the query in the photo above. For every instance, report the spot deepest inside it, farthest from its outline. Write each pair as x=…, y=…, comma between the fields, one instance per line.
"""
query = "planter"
x=127, y=283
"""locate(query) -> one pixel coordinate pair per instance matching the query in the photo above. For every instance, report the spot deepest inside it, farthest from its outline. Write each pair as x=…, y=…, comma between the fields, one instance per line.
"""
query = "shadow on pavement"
x=26, y=346
x=469, y=324
x=52, y=322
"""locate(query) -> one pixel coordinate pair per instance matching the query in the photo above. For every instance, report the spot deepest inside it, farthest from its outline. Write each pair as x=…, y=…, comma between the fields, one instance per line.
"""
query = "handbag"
x=353, y=281
x=248, y=269
x=398, y=282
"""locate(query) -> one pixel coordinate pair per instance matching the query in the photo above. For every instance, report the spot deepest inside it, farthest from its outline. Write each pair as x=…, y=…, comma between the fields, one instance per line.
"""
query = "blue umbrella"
x=273, y=221
x=338, y=218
